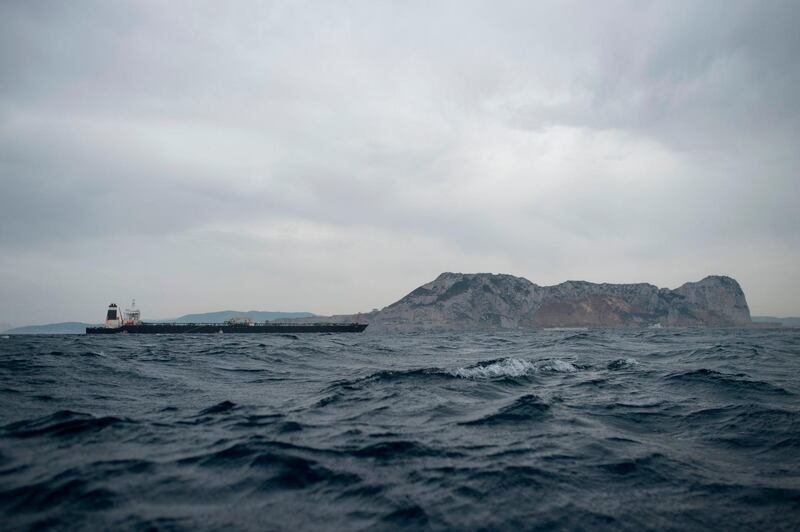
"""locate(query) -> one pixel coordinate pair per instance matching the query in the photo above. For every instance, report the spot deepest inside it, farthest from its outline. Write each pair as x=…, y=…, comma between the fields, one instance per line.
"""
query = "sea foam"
x=508, y=367
x=513, y=367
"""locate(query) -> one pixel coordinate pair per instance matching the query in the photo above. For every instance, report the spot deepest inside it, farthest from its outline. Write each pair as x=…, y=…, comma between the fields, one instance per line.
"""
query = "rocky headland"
x=485, y=301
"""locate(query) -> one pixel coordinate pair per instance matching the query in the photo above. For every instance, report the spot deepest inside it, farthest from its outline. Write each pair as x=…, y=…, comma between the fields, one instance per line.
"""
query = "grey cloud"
x=518, y=136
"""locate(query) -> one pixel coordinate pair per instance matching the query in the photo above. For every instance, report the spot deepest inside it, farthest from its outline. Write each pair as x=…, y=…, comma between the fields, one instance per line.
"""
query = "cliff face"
x=482, y=301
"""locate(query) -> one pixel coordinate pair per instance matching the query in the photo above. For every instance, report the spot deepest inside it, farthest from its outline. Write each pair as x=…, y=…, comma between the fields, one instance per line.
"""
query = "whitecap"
x=508, y=367
x=622, y=363
x=557, y=365
x=513, y=367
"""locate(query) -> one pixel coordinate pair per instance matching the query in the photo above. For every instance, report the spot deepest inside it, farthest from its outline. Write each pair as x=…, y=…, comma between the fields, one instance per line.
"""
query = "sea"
x=538, y=430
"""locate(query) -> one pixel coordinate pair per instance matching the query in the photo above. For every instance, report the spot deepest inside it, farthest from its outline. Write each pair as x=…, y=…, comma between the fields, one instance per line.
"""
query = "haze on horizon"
x=331, y=157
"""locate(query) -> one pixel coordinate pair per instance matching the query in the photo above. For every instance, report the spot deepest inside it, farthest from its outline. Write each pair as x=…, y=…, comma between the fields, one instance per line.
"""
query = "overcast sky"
x=332, y=156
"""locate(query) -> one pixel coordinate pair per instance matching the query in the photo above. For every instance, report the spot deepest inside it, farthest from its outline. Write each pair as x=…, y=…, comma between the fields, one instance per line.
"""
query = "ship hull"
x=212, y=328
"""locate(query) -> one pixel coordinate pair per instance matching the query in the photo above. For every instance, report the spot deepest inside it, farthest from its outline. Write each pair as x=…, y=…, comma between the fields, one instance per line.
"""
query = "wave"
x=506, y=367
x=556, y=365
x=74, y=493
x=578, y=336
x=526, y=408
x=622, y=363
x=380, y=377
x=274, y=465
x=294, y=472
x=259, y=420
x=61, y=424
x=412, y=516
x=513, y=367
x=497, y=369
x=735, y=381
x=759, y=427
x=224, y=406
x=392, y=450
x=652, y=468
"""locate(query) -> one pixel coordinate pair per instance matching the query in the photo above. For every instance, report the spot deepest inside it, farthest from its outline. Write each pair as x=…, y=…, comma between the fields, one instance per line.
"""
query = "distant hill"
x=67, y=327
x=224, y=315
x=484, y=301
x=786, y=322
x=4, y=327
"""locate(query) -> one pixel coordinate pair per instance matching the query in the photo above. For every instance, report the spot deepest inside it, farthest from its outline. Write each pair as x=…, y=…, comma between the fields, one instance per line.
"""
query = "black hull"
x=214, y=328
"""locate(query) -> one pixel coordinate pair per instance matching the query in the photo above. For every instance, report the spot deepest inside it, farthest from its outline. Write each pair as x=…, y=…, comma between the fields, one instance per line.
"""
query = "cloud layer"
x=331, y=157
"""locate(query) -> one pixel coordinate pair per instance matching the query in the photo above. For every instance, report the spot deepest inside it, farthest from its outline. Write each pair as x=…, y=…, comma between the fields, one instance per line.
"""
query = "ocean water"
x=579, y=430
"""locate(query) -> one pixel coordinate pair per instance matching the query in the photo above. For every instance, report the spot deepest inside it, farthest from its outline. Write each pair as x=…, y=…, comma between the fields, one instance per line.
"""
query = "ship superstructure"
x=132, y=316
x=113, y=318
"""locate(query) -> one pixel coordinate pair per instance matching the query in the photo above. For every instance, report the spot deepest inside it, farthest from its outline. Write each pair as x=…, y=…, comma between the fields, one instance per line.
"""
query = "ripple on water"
x=692, y=429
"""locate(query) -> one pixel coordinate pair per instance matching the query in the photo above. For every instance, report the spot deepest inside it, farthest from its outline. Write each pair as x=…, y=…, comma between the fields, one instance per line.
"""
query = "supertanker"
x=129, y=322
